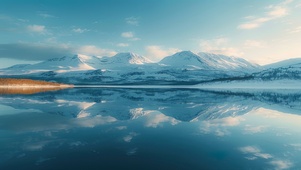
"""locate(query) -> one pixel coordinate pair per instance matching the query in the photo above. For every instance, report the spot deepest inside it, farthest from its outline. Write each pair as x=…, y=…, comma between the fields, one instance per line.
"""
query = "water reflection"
x=150, y=129
x=181, y=104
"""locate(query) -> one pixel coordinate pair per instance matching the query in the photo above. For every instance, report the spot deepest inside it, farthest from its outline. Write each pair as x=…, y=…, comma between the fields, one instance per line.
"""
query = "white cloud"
x=281, y=164
x=285, y=2
x=131, y=152
x=248, y=26
x=38, y=51
x=154, y=120
x=79, y=30
x=35, y=146
x=45, y=15
x=278, y=11
x=123, y=44
x=295, y=30
x=273, y=12
x=37, y=29
x=228, y=121
x=34, y=52
x=255, y=152
x=249, y=149
x=129, y=137
x=157, y=53
x=254, y=44
x=249, y=17
x=94, y=121
x=135, y=39
x=255, y=23
x=298, y=6
x=121, y=127
x=218, y=126
x=95, y=51
x=130, y=36
x=254, y=129
x=251, y=158
x=132, y=21
x=127, y=34
x=219, y=46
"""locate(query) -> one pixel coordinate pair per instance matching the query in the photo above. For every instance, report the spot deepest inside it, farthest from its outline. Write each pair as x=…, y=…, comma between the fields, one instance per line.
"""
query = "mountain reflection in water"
x=150, y=129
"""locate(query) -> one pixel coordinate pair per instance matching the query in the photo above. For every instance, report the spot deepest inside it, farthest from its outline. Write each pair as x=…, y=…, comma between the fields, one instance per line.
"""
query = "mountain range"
x=181, y=68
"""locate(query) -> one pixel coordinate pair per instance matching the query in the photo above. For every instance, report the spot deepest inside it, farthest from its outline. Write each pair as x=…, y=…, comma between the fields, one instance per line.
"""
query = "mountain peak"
x=184, y=59
x=129, y=58
x=187, y=52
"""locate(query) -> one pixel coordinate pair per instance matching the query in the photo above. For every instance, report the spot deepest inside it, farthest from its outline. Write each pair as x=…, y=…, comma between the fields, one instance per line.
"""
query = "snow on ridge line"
x=85, y=62
x=284, y=63
x=208, y=60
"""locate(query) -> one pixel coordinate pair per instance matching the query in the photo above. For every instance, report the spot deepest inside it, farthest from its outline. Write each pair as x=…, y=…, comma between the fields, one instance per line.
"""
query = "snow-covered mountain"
x=282, y=75
x=190, y=60
x=284, y=71
x=183, y=67
x=284, y=63
x=185, y=59
x=127, y=58
x=62, y=64
x=219, y=61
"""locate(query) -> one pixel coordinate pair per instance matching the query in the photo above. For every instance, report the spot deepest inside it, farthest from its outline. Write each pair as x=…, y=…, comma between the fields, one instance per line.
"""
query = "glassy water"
x=103, y=128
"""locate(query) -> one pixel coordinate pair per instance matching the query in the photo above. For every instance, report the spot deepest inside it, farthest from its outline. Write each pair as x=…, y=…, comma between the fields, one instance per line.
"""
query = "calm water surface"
x=103, y=128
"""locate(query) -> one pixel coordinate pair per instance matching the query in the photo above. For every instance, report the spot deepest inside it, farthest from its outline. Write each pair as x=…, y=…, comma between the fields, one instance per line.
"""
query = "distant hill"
x=129, y=68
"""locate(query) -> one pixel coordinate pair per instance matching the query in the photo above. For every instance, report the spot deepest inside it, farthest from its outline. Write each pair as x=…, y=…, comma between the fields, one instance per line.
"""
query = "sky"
x=259, y=31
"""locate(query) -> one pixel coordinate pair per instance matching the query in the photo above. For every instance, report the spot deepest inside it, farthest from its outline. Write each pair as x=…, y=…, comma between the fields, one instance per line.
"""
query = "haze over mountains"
x=183, y=67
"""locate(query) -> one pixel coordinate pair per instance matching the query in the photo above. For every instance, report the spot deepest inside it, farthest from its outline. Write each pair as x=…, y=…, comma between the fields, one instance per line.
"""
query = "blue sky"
x=259, y=31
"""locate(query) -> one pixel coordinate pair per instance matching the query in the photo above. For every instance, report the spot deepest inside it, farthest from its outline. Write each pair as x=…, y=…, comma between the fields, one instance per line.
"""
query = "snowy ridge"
x=188, y=59
x=180, y=60
x=181, y=68
x=63, y=64
x=219, y=61
x=285, y=63
x=17, y=67
x=129, y=58
x=122, y=60
x=281, y=75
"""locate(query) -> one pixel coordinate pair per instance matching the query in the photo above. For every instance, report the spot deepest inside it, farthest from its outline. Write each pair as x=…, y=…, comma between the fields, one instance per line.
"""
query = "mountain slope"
x=284, y=63
x=188, y=59
x=62, y=64
x=183, y=67
x=223, y=62
x=281, y=75
x=122, y=60
x=129, y=58
x=185, y=59
x=292, y=71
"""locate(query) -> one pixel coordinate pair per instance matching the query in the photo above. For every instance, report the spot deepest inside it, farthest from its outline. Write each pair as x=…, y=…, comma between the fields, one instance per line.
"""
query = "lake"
x=131, y=128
